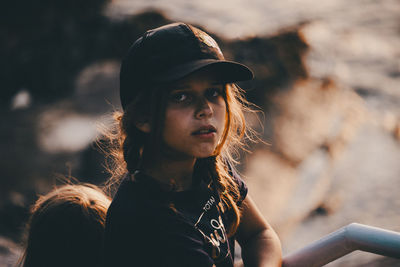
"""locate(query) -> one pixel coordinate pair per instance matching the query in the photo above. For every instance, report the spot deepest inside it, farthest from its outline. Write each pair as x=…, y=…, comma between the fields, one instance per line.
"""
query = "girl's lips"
x=207, y=131
x=208, y=135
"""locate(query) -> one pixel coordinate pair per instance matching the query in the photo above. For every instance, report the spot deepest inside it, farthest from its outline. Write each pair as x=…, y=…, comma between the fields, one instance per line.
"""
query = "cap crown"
x=164, y=55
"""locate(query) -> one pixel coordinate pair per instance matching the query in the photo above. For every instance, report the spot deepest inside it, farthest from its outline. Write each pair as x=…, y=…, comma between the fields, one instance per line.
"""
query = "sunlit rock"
x=21, y=100
x=65, y=132
x=96, y=87
x=313, y=114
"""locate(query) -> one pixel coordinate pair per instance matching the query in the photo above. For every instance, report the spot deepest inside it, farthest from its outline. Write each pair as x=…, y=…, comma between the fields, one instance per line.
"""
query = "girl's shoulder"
x=138, y=203
x=132, y=197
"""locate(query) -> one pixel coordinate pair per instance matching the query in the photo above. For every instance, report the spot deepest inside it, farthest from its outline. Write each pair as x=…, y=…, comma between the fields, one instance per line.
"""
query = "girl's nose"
x=204, y=109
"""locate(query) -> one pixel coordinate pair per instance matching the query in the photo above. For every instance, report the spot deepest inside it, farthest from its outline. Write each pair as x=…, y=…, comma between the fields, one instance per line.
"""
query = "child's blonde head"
x=66, y=227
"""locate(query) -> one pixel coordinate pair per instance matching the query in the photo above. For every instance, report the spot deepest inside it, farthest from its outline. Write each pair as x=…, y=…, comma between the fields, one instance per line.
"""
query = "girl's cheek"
x=176, y=115
x=177, y=107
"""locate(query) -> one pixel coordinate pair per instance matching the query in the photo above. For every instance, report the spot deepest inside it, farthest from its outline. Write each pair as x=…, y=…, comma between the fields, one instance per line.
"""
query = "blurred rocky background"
x=327, y=80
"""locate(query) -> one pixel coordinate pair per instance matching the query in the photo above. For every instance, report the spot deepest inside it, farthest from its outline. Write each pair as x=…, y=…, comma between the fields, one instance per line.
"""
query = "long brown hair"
x=129, y=146
x=66, y=227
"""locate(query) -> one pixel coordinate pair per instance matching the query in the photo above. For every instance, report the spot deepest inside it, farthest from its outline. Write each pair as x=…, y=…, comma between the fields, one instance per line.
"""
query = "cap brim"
x=222, y=70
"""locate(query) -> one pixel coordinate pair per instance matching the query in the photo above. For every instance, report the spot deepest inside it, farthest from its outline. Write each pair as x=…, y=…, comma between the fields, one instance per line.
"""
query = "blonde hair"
x=128, y=144
x=66, y=227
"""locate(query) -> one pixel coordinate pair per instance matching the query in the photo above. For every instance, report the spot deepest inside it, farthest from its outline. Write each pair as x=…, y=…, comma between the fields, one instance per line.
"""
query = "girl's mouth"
x=205, y=131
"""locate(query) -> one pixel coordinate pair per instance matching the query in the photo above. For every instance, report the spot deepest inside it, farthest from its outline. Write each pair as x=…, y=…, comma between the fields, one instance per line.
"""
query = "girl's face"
x=194, y=117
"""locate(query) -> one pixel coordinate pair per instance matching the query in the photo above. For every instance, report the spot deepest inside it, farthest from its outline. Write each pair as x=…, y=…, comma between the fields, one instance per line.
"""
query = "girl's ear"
x=143, y=126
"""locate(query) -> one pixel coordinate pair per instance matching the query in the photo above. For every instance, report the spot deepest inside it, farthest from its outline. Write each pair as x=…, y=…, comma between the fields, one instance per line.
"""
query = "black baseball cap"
x=171, y=52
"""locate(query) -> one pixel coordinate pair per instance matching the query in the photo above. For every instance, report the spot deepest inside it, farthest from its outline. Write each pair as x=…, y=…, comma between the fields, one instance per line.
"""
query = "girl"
x=181, y=202
x=66, y=228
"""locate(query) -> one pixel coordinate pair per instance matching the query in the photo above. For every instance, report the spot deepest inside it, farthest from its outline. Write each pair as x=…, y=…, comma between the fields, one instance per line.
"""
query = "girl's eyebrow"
x=180, y=88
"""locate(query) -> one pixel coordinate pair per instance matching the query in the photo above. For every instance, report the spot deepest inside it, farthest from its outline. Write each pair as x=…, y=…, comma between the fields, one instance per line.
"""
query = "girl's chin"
x=180, y=155
x=204, y=153
x=197, y=155
x=195, y=151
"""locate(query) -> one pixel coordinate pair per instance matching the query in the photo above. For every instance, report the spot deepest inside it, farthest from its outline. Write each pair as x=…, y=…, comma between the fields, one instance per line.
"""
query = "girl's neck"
x=178, y=174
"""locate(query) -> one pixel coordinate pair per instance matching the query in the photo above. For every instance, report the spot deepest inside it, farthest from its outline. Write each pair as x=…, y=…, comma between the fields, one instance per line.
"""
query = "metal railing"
x=343, y=241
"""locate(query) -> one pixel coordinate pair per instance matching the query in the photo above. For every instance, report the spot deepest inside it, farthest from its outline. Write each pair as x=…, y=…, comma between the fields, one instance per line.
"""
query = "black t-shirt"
x=142, y=230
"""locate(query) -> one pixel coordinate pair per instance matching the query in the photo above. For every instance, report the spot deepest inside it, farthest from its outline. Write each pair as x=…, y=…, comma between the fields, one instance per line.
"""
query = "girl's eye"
x=179, y=97
x=214, y=92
